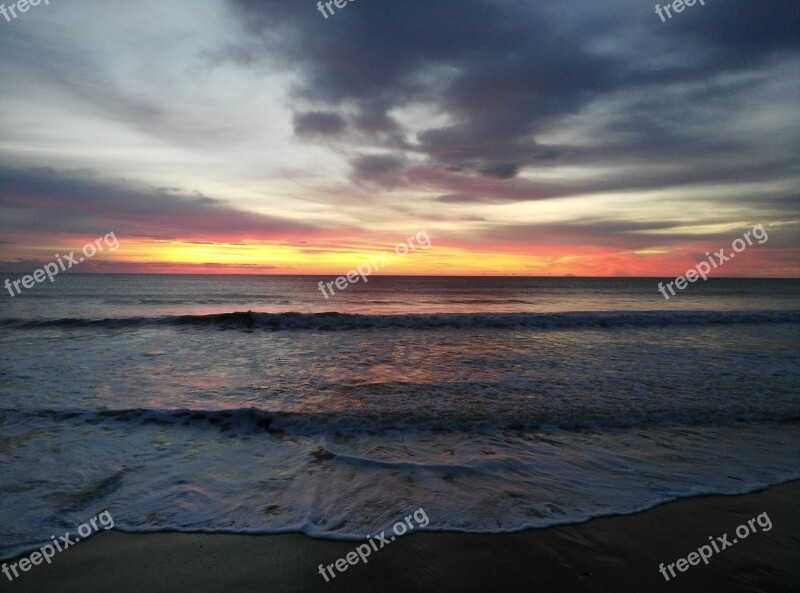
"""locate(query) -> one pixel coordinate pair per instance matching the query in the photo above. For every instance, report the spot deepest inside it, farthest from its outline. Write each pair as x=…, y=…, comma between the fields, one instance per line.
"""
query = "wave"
x=332, y=321
x=250, y=421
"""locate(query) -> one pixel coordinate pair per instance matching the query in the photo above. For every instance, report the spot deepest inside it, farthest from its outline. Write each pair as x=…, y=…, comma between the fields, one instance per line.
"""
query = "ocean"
x=252, y=404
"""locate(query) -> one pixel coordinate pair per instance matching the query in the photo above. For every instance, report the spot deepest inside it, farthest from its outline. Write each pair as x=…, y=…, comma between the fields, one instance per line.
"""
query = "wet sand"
x=616, y=554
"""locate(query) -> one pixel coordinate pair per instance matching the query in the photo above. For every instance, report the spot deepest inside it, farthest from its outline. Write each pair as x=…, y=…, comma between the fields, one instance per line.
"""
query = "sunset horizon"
x=288, y=149
x=197, y=257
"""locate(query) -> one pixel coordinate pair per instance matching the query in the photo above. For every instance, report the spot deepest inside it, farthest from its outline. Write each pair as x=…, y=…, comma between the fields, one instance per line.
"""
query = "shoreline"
x=355, y=541
x=617, y=553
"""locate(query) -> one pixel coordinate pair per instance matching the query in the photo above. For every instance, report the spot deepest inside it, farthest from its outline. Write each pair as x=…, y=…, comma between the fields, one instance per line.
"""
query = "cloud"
x=629, y=236
x=385, y=170
x=507, y=74
x=470, y=113
x=462, y=199
x=318, y=123
x=42, y=199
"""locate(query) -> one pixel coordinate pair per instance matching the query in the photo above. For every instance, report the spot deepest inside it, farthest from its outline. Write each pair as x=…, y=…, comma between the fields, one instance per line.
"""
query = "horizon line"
x=9, y=273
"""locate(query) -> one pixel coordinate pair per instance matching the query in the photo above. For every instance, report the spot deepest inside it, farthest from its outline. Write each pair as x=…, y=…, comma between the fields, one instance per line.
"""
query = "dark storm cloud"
x=506, y=71
x=379, y=56
x=746, y=30
x=384, y=170
x=314, y=123
x=41, y=199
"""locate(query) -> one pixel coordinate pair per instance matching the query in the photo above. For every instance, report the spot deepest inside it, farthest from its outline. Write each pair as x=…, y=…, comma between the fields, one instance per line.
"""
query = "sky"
x=548, y=137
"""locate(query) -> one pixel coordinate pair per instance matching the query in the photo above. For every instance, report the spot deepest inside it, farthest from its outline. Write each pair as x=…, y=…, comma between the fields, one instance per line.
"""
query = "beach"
x=509, y=432
x=433, y=295
x=617, y=554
